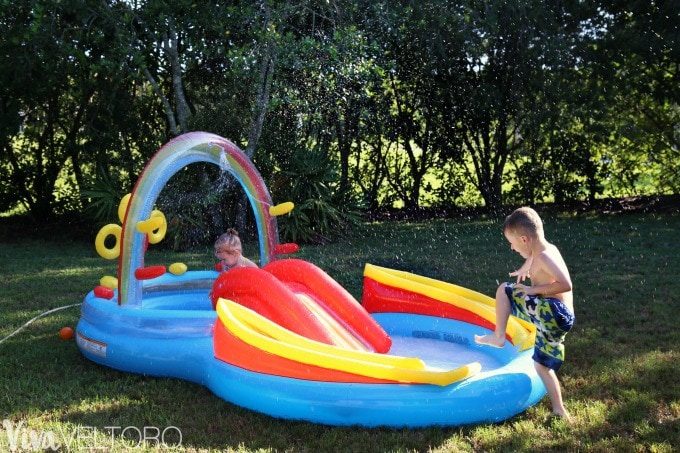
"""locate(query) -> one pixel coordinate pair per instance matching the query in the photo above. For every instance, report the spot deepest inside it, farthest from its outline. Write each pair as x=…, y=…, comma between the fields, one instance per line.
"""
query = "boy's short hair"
x=524, y=221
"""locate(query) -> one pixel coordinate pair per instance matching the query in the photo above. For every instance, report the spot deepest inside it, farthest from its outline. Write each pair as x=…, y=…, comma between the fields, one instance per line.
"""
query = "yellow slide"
x=521, y=332
x=260, y=332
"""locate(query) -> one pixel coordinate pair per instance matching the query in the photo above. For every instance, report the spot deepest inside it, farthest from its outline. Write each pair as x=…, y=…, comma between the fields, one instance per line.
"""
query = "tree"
x=511, y=51
x=420, y=65
x=52, y=89
x=637, y=55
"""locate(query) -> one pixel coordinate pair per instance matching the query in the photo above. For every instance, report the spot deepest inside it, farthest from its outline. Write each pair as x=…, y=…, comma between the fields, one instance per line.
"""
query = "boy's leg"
x=552, y=385
x=503, y=309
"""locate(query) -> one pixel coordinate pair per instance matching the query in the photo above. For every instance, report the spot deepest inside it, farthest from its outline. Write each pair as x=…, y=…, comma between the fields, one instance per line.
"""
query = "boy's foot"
x=490, y=340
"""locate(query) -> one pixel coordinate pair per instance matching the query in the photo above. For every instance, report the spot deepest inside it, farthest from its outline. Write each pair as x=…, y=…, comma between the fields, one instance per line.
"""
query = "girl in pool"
x=229, y=251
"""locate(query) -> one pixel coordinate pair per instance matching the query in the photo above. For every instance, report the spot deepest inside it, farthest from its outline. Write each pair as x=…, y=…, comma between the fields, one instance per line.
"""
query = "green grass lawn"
x=620, y=380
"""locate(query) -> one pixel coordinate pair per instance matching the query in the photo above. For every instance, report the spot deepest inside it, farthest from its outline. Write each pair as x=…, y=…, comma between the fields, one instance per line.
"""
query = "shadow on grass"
x=50, y=377
x=52, y=381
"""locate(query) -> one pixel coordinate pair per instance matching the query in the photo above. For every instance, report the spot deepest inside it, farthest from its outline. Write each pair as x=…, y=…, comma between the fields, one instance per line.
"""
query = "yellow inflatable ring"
x=158, y=234
x=122, y=207
x=105, y=252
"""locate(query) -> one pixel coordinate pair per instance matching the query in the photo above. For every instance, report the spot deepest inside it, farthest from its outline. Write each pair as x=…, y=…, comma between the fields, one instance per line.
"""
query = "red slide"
x=305, y=277
x=290, y=292
x=260, y=291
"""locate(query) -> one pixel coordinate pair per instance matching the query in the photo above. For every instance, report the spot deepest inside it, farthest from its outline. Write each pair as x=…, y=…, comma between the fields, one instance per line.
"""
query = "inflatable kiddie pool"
x=286, y=339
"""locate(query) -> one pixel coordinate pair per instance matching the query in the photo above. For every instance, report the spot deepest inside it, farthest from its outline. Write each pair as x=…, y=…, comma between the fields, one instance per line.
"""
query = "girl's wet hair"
x=229, y=239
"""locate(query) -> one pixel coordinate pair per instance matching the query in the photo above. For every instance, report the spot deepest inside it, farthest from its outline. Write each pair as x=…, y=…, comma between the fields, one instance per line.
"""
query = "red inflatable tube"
x=149, y=272
x=103, y=292
x=228, y=348
x=286, y=249
x=262, y=292
x=380, y=298
x=337, y=299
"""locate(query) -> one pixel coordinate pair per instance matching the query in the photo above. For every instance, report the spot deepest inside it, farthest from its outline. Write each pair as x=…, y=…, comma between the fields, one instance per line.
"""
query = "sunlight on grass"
x=101, y=405
x=65, y=272
x=453, y=443
x=663, y=447
x=63, y=276
x=590, y=414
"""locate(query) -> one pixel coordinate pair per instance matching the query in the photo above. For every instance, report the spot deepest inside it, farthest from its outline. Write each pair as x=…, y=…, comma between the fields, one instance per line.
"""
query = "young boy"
x=547, y=303
x=228, y=250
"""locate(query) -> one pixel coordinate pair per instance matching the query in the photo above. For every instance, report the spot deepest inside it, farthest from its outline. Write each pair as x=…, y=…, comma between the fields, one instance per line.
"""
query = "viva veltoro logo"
x=22, y=438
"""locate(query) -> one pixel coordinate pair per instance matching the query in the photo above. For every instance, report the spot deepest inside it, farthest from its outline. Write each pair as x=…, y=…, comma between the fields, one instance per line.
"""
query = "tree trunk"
x=414, y=196
x=70, y=142
x=491, y=193
x=489, y=163
x=262, y=100
x=344, y=149
x=263, y=89
x=347, y=132
x=259, y=113
x=183, y=111
x=169, y=113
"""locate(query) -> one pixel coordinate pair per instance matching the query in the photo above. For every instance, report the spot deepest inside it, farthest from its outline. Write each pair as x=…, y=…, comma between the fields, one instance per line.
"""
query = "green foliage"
x=318, y=216
x=199, y=203
x=102, y=197
x=528, y=101
x=635, y=63
x=8, y=196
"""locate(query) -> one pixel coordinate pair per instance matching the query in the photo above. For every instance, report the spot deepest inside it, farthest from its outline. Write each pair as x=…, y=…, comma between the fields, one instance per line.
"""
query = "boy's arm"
x=523, y=272
x=560, y=275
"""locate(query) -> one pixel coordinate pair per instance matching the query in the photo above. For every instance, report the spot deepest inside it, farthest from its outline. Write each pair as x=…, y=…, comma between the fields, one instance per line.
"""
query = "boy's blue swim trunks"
x=552, y=318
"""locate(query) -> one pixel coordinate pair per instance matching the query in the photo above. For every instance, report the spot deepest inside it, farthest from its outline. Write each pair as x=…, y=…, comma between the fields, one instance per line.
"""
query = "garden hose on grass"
x=38, y=317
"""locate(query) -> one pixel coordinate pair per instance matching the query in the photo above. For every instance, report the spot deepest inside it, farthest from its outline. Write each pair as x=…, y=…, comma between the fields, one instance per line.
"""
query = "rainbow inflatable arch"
x=287, y=340
x=187, y=149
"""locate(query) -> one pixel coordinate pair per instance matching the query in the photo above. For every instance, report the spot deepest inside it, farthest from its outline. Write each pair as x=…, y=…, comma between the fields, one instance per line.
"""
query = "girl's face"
x=519, y=243
x=228, y=255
